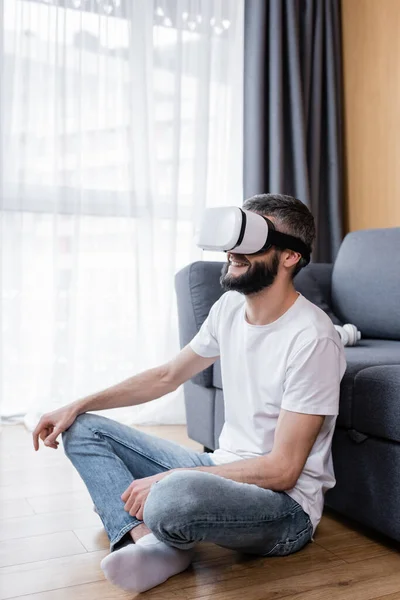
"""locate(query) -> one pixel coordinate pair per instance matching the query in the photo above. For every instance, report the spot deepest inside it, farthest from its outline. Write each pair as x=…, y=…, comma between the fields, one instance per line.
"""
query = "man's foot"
x=141, y=566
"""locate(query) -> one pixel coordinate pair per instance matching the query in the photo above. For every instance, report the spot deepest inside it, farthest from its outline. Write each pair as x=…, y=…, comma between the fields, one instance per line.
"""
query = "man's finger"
x=139, y=514
x=40, y=427
x=136, y=507
x=53, y=445
x=126, y=494
x=129, y=502
x=51, y=439
x=35, y=437
x=44, y=433
x=132, y=488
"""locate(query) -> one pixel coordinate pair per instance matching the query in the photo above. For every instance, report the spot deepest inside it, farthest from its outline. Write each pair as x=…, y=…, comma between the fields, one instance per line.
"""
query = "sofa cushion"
x=366, y=282
x=368, y=353
x=376, y=402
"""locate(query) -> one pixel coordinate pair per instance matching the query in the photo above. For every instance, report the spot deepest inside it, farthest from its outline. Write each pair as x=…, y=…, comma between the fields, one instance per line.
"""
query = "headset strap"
x=283, y=240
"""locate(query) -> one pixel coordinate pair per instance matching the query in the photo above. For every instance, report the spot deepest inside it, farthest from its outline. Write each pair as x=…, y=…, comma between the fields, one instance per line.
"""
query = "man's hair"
x=291, y=216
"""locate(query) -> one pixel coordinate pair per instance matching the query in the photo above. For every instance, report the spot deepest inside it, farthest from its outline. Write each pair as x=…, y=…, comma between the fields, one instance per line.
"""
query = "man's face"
x=249, y=274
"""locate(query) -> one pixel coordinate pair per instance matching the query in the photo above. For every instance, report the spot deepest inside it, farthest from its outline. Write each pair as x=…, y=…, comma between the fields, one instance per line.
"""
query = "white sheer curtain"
x=119, y=122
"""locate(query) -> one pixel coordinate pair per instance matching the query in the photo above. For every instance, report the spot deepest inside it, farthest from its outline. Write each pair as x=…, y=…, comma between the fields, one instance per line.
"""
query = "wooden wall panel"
x=371, y=68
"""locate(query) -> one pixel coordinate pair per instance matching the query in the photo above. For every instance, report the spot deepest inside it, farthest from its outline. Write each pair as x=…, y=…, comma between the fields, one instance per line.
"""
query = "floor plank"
x=330, y=525
x=39, y=547
x=60, y=502
x=93, y=538
x=39, y=474
x=43, y=487
x=13, y=459
x=57, y=573
x=352, y=546
x=18, y=507
x=22, y=527
x=101, y=590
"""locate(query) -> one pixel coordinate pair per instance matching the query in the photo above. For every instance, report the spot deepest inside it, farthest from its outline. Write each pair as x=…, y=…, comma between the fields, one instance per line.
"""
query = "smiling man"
x=262, y=491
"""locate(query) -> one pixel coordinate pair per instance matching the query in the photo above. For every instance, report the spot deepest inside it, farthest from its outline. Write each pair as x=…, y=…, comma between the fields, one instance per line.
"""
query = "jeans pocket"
x=289, y=546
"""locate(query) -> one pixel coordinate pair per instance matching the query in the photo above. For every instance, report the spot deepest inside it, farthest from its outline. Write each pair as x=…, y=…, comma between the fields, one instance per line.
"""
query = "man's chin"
x=248, y=280
x=235, y=279
x=231, y=282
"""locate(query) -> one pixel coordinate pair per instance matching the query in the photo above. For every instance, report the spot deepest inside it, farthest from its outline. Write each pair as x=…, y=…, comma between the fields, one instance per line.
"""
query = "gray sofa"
x=362, y=287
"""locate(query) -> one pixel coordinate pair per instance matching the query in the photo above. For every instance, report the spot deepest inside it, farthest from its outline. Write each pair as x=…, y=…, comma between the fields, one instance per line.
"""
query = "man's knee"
x=174, y=501
x=80, y=429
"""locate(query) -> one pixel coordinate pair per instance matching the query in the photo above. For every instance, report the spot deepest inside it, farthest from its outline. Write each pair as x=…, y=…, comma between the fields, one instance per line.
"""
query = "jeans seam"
x=241, y=523
x=299, y=537
x=150, y=458
x=123, y=531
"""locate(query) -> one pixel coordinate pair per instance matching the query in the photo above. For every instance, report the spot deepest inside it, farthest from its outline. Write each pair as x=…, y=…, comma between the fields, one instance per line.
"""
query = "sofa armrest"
x=197, y=288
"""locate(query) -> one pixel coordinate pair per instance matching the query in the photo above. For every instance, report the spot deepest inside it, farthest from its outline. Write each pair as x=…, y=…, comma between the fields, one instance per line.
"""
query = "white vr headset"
x=244, y=232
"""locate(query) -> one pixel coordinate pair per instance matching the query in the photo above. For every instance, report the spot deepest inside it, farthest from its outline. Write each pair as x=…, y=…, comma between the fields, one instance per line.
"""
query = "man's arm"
x=141, y=388
x=310, y=392
x=150, y=384
x=279, y=470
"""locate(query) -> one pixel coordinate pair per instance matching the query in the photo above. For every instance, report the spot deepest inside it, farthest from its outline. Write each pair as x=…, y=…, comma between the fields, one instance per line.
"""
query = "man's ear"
x=290, y=258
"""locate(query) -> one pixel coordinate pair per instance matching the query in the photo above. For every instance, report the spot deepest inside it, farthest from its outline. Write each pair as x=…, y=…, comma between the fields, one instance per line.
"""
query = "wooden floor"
x=51, y=544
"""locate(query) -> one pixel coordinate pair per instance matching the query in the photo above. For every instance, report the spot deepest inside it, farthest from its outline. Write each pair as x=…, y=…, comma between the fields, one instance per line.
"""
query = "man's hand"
x=135, y=495
x=52, y=424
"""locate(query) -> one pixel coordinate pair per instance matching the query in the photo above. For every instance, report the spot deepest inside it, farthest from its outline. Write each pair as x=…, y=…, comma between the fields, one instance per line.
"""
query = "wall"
x=371, y=68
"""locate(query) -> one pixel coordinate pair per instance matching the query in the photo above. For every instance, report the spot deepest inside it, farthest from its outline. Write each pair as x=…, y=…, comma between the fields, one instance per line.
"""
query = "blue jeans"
x=187, y=506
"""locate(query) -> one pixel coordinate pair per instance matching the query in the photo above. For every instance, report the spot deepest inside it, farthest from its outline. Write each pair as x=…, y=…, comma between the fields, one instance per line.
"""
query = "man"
x=262, y=491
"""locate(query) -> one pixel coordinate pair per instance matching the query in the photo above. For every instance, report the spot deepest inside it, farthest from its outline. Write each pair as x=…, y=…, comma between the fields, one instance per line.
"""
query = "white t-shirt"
x=295, y=363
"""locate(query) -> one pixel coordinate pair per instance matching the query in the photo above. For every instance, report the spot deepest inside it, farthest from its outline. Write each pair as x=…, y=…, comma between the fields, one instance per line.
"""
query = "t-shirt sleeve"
x=205, y=342
x=312, y=382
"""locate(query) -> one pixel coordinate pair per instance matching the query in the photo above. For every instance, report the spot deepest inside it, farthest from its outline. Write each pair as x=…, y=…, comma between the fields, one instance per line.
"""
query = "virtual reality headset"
x=242, y=231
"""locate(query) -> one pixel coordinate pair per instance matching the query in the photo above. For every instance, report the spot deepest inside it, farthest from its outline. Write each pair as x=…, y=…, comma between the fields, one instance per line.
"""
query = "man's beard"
x=258, y=277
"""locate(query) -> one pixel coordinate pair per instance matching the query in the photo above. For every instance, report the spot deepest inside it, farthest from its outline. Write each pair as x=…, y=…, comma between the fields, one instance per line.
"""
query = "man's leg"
x=234, y=515
x=193, y=506
x=109, y=456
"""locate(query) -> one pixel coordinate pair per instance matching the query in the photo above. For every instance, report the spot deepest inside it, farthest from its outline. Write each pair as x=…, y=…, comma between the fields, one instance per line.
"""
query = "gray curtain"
x=292, y=109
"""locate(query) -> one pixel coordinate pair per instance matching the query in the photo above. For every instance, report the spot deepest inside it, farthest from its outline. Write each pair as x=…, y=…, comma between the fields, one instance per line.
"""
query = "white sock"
x=141, y=566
